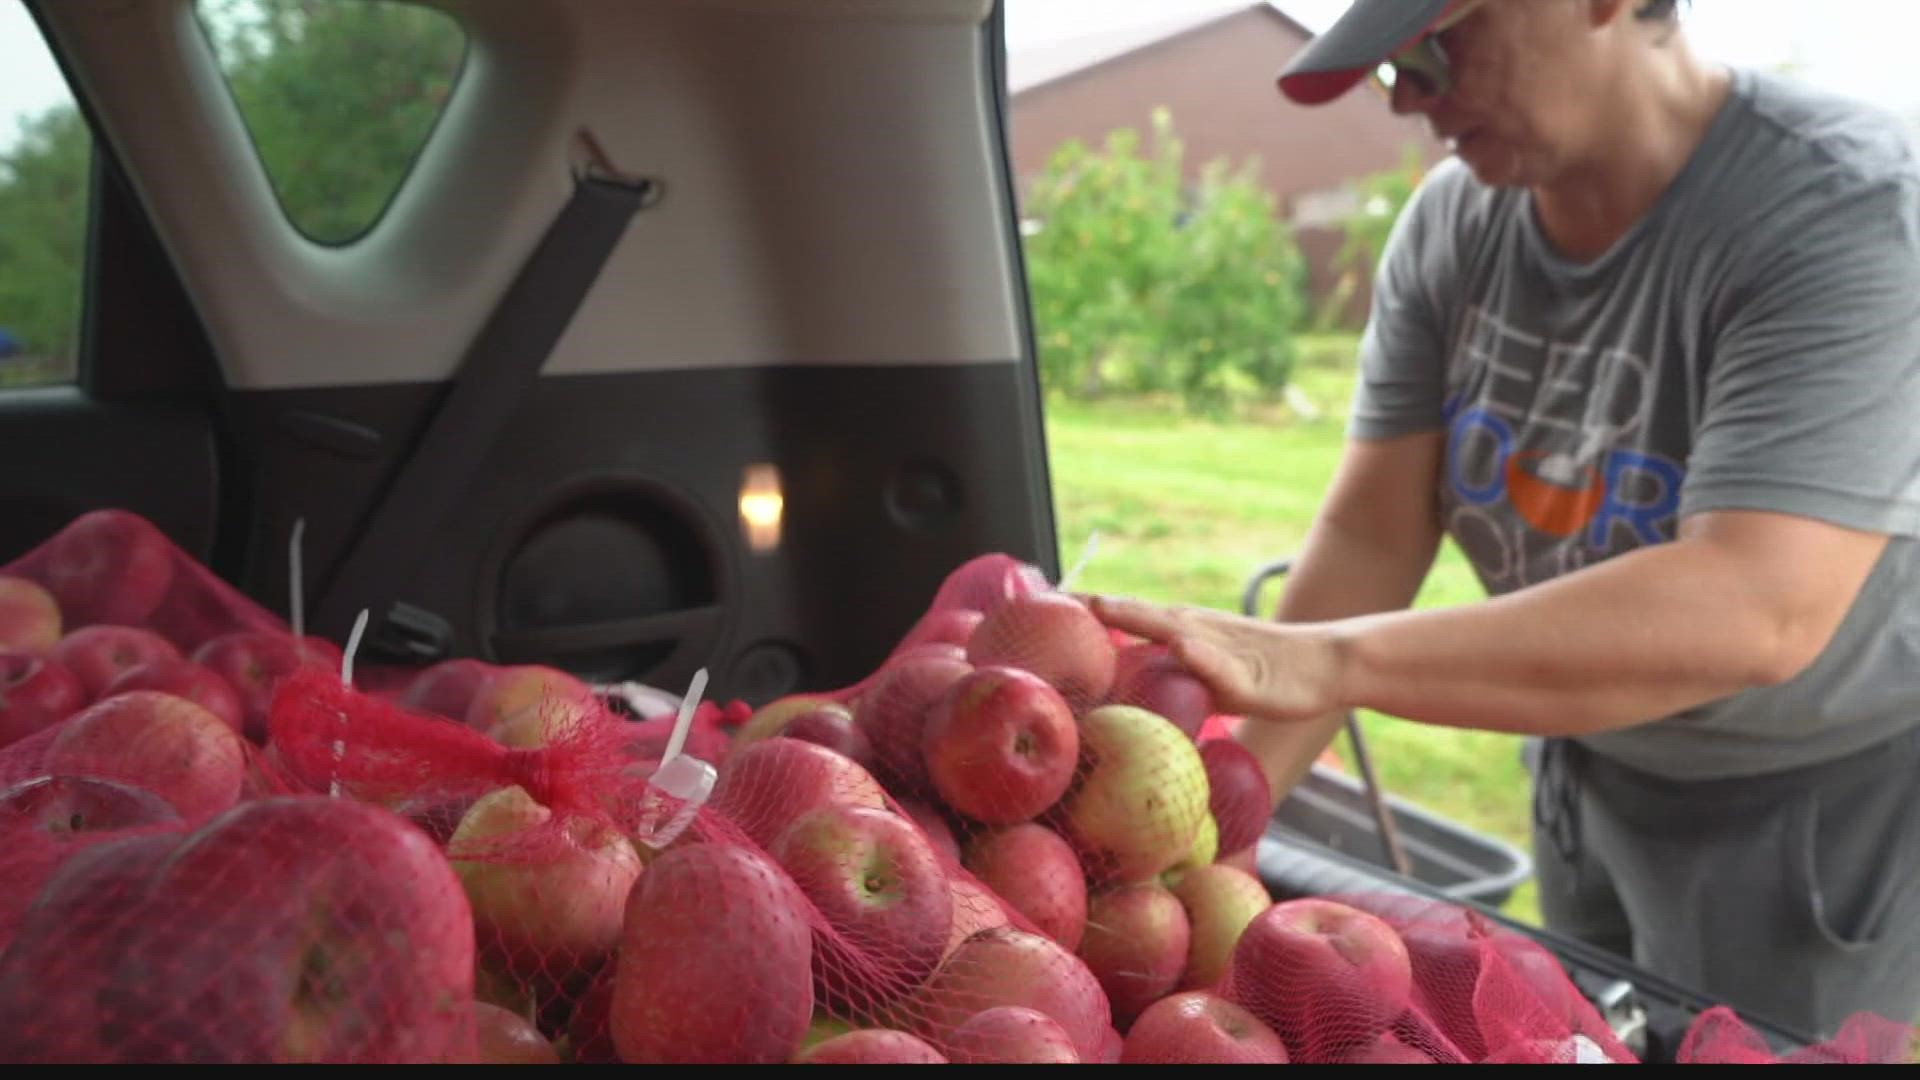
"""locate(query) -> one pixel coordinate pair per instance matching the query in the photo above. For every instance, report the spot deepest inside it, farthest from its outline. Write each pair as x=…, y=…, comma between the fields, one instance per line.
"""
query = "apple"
x=871, y=1046
x=1000, y=746
x=548, y=896
x=1112, y=1047
x=1052, y=635
x=1012, y=1035
x=939, y=833
x=1220, y=901
x=255, y=662
x=588, y=1030
x=1036, y=872
x=974, y=909
x=941, y=650
x=764, y=786
x=108, y=566
x=1006, y=966
x=1201, y=1028
x=184, y=679
x=1317, y=970
x=435, y=814
x=1206, y=847
x=875, y=879
x=447, y=688
x=1149, y=676
x=29, y=616
x=832, y=726
x=530, y=705
x=892, y=711
x=772, y=717
x=948, y=626
x=1136, y=945
x=507, y=1038
x=1141, y=799
x=164, y=744
x=1386, y=1050
x=65, y=805
x=715, y=962
x=1239, y=797
x=99, y=654
x=36, y=692
x=1246, y=859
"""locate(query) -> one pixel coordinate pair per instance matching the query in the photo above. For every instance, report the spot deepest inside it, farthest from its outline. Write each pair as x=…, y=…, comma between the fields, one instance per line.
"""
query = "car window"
x=339, y=97
x=46, y=153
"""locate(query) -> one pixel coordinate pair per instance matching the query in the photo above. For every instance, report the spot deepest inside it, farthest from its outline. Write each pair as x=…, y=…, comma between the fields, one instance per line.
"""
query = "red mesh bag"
x=1719, y=1037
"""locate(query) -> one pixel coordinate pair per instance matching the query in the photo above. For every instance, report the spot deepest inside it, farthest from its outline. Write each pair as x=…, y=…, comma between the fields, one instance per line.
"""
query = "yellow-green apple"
x=831, y=725
x=1149, y=676
x=892, y=711
x=448, y=687
x=715, y=963
x=761, y=788
x=1322, y=974
x=1136, y=945
x=1052, y=635
x=507, y=1038
x=256, y=662
x=1000, y=746
x=771, y=718
x=1238, y=795
x=108, y=566
x=164, y=744
x=99, y=654
x=36, y=692
x=1201, y=1028
x=1007, y=966
x=1031, y=868
x=1206, y=847
x=1220, y=901
x=1141, y=796
x=66, y=805
x=1012, y=1035
x=530, y=705
x=877, y=882
x=29, y=616
x=185, y=679
x=548, y=896
x=871, y=1046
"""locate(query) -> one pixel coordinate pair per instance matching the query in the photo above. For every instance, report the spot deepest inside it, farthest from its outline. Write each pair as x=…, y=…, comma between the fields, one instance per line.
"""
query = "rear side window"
x=339, y=96
x=46, y=155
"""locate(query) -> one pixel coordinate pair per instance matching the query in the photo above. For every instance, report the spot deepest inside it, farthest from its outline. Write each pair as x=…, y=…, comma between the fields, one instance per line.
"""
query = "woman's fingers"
x=1150, y=621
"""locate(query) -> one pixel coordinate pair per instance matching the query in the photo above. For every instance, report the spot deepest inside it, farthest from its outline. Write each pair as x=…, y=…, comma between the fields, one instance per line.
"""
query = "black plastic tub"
x=1328, y=808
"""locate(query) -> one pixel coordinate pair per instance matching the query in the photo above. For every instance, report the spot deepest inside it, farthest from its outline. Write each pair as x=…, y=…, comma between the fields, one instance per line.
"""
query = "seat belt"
x=494, y=378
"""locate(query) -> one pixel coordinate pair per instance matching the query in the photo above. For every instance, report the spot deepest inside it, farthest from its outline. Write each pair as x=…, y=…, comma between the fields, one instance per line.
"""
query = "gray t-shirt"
x=1753, y=343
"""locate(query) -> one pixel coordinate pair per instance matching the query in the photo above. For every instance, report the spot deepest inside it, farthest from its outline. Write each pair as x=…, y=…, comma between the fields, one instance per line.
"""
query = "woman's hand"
x=1257, y=669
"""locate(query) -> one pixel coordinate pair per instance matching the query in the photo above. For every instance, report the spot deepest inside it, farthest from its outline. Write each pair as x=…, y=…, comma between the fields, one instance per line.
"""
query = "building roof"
x=1060, y=57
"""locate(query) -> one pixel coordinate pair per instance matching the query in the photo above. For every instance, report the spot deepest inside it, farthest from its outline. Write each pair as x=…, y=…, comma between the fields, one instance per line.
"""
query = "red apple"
x=764, y=786
x=939, y=833
x=1246, y=859
x=65, y=805
x=548, y=896
x=1220, y=901
x=1201, y=1028
x=1386, y=1050
x=1238, y=795
x=1147, y=675
x=29, y=616
x=97, y=655
x=1322, y=974
x=1012, y=1035
x=715, y=961
x=108, y=566
x=950, y=626
x=832, y=726
x=447, y=688
x=974, y=909
x=255, y=662
x=507, y=1038
x=530, y=705
x=1136, y=810
x=1052, y=635
x=1000, y=746
x=892, y=711
x=1005, y=966
x=184, y=679
x=940, y=650
x=1112, y=1049
x=878, y=884
x=164, y=744
x=1136, y=945
x=871, y=1046
x=588, y=1029
x=1031, y=868
x=36, y=692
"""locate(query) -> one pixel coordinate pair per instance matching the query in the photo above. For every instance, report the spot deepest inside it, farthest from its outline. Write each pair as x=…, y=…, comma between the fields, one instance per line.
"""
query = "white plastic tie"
x=680, y=786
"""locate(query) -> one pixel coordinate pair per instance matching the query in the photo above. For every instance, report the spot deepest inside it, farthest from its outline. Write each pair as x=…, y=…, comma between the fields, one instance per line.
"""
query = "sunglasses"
x=1424, y=64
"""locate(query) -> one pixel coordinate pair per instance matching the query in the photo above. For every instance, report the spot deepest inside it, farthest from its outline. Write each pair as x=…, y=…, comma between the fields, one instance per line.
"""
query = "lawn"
x=1188, y=508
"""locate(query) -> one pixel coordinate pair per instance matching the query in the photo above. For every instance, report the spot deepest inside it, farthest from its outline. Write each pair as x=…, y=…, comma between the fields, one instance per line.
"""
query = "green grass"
x=1188, y=508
